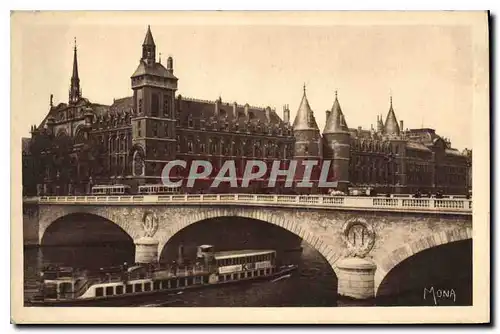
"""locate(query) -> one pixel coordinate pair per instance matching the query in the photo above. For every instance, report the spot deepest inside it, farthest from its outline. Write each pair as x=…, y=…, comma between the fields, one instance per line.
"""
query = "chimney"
x=268, y=113
x=217, y=107
x=170, y=65
x=401, y=125
x=328, y=112
x=286, y=114
x=235, y=110
x=246, y=110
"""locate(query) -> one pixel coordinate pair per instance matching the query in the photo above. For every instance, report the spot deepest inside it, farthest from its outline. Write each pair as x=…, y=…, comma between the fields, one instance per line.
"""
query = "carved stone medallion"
x=150, y=224
x=359, y=237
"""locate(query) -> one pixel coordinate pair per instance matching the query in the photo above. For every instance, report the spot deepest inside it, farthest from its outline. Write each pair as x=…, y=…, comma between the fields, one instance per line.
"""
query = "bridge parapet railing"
x=448, y=204
x=209, y=197
x=193, y=198
x=333, y=200
x=403, y=204
x=309, y=199
x=227, y=197
x=265, y=198
x=246, y=197
x=385, y=202
x=286, y=199
x=416, y=203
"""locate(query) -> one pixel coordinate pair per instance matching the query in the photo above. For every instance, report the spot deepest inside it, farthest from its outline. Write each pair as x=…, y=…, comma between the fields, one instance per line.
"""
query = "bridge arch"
x=329, y=253
x=49, y=217
x=400, y=254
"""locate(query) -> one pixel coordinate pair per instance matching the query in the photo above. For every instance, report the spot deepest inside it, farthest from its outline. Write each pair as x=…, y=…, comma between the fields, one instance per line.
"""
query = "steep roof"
x=203, y=109
x=336, y=121
x=304, y=120
x=148, y=40
x=417, y=146
x=156, y=69
x=391, y=123
x=25, y=144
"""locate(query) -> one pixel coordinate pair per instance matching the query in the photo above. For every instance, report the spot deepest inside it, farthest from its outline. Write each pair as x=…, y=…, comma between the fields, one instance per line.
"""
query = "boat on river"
x=67, y=286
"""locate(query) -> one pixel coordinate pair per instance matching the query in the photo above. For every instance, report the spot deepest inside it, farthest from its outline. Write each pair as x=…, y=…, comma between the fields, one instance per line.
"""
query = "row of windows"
x=155, y=106
x=235, y=127
x=148, y=286
x=249, y=148
x=242, y=275
x=244, y=259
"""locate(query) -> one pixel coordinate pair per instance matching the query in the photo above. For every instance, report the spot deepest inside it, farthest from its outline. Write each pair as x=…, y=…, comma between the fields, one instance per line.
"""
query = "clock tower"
x=153, y=124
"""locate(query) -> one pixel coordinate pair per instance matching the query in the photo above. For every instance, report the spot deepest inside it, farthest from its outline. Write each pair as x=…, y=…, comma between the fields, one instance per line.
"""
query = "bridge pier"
x=356, y=278
x=146, y=250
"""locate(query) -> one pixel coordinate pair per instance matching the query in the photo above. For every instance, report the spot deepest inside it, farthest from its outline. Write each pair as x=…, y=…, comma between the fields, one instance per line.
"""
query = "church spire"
x=75, y=91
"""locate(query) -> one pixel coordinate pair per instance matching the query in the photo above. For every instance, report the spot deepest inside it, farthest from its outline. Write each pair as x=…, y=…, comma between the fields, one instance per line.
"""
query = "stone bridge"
x=388, y=230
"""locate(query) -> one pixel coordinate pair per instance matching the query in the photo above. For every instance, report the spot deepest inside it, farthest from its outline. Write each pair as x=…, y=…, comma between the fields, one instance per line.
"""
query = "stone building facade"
x=80, y=144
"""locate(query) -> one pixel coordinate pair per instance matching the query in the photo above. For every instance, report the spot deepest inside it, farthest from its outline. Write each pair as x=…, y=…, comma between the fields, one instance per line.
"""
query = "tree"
x=62, y=147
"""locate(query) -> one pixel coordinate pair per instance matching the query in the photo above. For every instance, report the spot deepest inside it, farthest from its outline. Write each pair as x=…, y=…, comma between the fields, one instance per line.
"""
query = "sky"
x=427, y=68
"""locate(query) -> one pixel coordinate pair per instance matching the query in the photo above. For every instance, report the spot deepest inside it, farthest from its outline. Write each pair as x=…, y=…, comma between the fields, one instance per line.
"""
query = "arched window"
x=213, y=146
x=80, y=136
x=138, y=164
x=117, y=143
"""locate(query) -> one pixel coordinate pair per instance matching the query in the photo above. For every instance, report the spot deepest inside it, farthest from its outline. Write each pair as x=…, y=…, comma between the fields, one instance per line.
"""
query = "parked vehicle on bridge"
x=112, y=189
x=158, y=189
x=64, y=286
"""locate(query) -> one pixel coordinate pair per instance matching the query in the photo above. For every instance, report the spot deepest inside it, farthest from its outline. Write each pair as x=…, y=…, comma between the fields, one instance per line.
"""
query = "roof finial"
x=304, y=87
x=159, y=59
x=336, y=93
x=75, y=42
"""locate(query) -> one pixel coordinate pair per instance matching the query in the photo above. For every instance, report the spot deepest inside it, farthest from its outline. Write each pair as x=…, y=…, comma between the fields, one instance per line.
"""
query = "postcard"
x=257, y=167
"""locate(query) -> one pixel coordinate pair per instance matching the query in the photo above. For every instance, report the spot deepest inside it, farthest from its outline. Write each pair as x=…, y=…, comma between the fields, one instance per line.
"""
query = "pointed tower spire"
x=391, y=124
x=336, y=121
x=74, y=91
x=304, y=120
x=149, y=48
x=148, y=40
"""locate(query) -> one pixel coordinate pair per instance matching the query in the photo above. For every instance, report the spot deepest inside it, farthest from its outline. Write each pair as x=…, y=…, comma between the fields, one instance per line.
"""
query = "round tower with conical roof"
x=307, y=141
x=336, y=139
x=397, y=167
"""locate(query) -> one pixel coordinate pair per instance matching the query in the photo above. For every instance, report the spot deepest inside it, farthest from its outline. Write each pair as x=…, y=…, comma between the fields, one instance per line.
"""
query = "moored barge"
x=66, y=286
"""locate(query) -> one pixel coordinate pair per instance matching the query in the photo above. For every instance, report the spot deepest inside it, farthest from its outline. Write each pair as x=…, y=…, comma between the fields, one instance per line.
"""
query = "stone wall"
x=397, y=236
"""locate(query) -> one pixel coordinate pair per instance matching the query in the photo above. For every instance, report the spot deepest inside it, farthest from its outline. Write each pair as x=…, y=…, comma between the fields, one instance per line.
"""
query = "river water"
x=314, y=284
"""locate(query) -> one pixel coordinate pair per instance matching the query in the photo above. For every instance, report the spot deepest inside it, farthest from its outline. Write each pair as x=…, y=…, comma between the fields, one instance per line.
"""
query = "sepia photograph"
x=271, y=167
